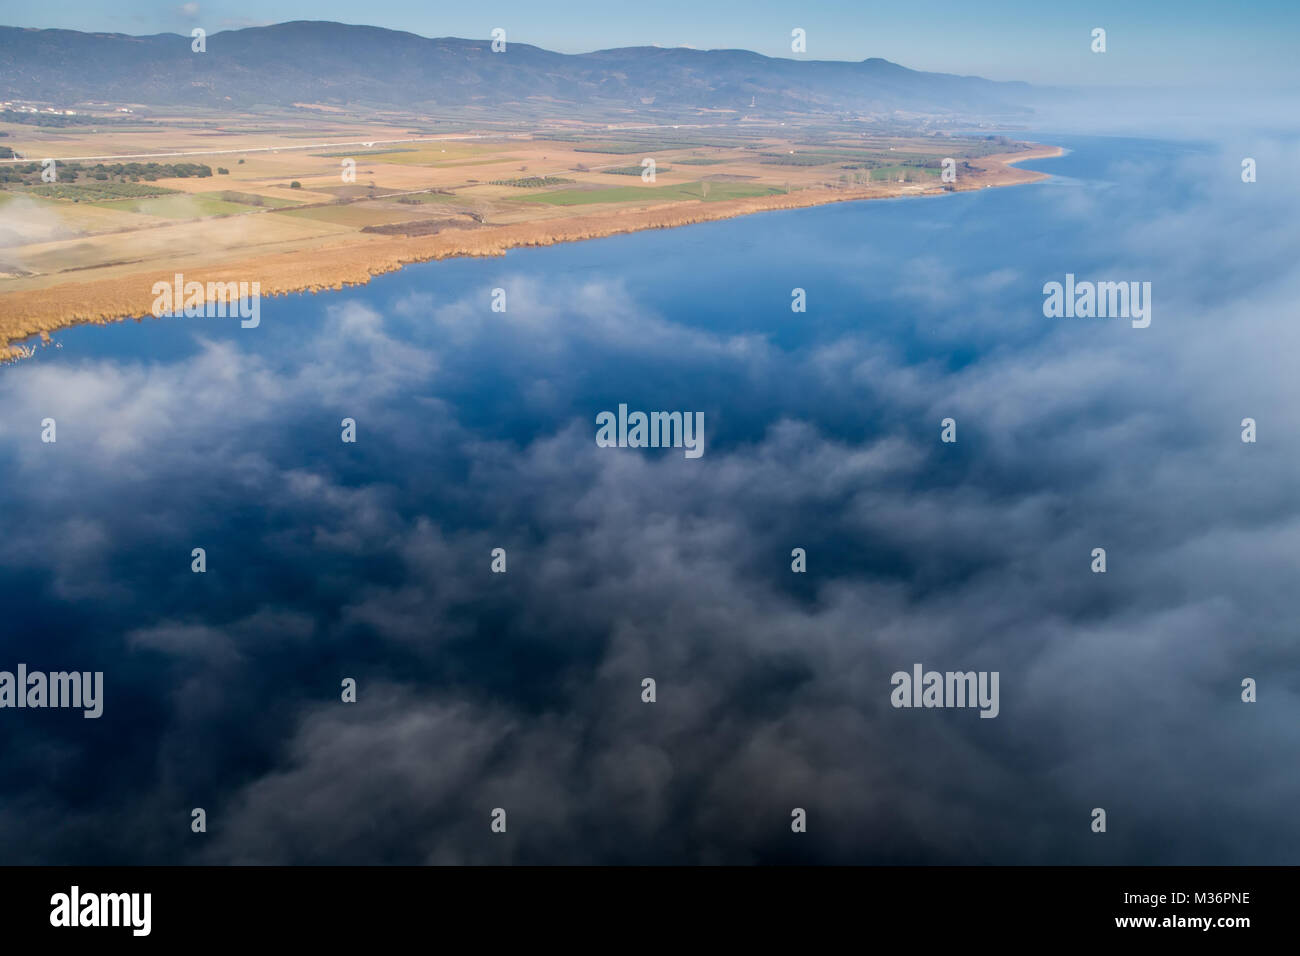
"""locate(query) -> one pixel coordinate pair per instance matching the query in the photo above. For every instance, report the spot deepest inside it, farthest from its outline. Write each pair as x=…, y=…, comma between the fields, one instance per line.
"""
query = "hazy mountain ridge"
x=333, y=63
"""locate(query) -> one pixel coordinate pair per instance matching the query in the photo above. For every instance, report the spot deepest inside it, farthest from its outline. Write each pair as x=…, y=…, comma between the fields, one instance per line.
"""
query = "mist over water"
x=476, y=430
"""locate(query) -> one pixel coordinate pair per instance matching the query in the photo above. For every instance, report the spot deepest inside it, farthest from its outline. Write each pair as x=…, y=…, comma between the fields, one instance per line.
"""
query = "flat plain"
x=315, y=199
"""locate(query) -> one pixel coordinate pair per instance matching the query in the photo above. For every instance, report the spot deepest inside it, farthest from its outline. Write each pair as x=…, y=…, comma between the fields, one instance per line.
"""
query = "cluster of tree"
x=150, y=171
x=244, y=199
x=532, y=182
x=30, y=173
x=54, y=119
x=26, y=174
x=96, y=192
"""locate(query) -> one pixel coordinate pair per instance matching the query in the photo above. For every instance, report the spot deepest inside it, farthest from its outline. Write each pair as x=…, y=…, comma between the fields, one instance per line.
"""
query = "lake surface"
x=523, y=690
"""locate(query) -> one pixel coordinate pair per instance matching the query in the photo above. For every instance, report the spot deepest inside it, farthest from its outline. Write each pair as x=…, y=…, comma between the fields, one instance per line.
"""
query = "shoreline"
x=30, y=313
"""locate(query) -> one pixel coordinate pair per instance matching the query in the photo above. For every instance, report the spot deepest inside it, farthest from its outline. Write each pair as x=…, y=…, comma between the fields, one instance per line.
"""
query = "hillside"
x=359, y=66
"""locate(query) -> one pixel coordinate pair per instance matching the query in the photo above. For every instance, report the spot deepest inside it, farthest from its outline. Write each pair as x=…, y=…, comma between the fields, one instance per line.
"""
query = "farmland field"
x=138, y=199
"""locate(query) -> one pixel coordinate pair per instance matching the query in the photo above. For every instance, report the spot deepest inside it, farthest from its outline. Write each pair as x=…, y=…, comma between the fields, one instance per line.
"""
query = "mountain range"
x=337, y=64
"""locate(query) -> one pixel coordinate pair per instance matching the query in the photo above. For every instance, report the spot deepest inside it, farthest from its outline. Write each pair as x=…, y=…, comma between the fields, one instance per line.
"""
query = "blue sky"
x=1156, y=43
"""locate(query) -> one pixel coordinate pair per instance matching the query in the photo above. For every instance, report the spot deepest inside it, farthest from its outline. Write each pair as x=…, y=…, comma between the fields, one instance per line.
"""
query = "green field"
x=910, y=173
x=7, y=196
x=175, y=207
x=631, y=170
x=249, y=199
x=97, y=192
x=452, y=154
x=617, y=149
x=584, y=197
x=417, y=199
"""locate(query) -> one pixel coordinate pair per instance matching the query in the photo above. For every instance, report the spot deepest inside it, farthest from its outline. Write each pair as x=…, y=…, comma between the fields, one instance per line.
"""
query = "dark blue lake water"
x=523, y=690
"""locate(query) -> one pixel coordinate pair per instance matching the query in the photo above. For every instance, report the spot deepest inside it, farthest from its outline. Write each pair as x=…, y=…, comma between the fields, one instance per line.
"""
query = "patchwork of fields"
x=148, y=197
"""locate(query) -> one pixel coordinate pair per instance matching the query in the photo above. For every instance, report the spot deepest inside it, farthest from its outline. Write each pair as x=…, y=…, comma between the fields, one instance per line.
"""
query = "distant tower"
x=751, y=100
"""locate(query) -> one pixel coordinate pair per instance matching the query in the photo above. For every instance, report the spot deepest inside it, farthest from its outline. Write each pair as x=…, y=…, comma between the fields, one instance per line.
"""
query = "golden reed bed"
x=31, y=312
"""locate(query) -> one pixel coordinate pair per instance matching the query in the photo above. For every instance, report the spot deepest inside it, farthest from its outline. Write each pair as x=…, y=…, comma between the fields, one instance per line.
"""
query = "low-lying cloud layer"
x=523, y=690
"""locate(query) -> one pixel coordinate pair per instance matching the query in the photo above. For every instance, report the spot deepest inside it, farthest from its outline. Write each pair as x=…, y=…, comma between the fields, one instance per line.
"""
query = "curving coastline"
x=38, y=312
